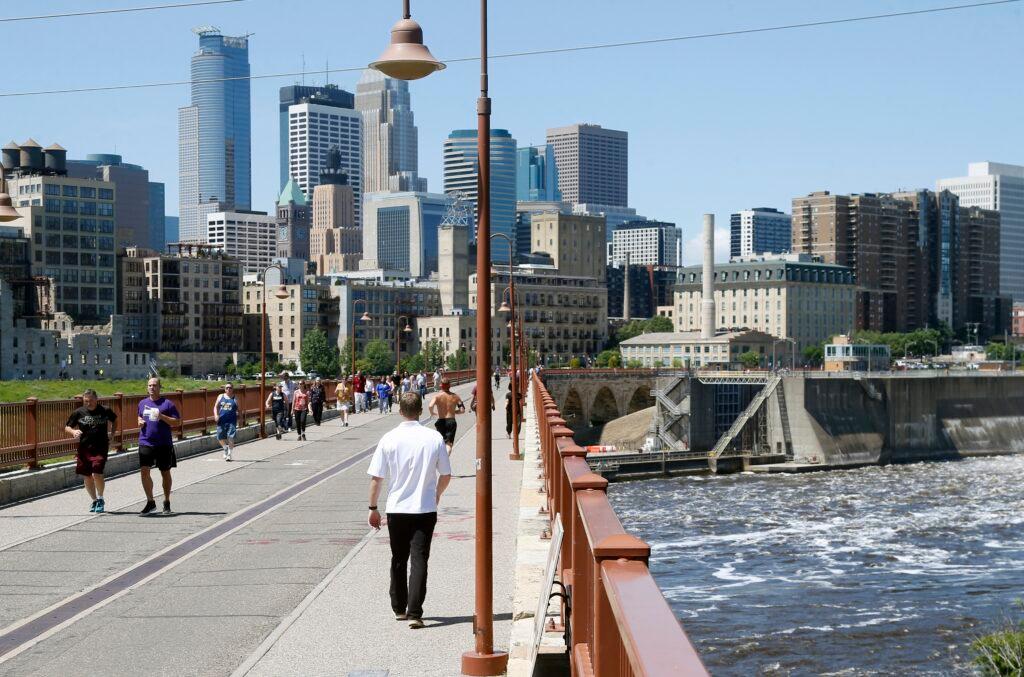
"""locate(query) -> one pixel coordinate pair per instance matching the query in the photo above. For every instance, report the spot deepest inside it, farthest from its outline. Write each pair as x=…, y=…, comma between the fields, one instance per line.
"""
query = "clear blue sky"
x=715, y=125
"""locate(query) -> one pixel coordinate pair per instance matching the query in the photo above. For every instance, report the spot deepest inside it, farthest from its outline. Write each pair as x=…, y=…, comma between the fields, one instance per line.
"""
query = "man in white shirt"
x=415, y=461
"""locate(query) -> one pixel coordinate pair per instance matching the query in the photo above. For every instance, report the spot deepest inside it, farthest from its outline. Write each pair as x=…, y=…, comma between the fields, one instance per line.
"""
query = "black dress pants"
x=410, y=536
x=318, y=412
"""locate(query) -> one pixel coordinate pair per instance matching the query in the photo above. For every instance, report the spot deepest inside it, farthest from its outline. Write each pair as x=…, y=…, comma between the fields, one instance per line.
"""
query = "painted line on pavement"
x=25, y=634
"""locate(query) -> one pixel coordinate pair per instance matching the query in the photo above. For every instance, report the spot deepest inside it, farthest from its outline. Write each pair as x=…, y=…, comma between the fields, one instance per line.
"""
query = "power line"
x=122, y=10
x=512, y=55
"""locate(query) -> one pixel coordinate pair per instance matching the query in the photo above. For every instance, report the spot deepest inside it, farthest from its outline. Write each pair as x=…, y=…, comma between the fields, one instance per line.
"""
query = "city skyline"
x=685, y=157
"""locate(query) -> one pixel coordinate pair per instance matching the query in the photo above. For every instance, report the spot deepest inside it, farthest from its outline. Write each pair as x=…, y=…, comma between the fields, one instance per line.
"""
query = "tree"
x=574, y=363
x=634, y=364
x=658, y=323
x=609, y=359
x=413, y=363
x=458, y=360
x=317, y=354
x=750, y=360
x=433, y=355
x=814, y=354
x=379, y=358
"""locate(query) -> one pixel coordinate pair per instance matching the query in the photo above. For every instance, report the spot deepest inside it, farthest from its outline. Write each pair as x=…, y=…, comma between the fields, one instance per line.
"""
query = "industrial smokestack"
x=707, y=304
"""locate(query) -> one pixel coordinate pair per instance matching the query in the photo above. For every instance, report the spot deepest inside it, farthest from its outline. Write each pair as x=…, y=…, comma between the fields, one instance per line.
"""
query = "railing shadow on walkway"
x=618, y=620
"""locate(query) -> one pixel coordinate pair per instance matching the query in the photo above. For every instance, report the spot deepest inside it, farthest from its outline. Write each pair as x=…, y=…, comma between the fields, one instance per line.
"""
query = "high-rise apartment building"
x=401, y=231
x=999, y=187
x=248, y=236
x=214, y=133
x=461, y=172
x=593, y=164
x=761, y=230
x=536, y=175
x=139, y=203
x=315, y=130
x=919, y=257
x=390, y=138
x=648, y=243
x=336, y=243
x=325, y=95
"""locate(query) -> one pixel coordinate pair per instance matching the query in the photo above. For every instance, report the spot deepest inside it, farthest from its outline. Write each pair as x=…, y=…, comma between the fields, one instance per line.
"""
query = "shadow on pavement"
x=440, y=621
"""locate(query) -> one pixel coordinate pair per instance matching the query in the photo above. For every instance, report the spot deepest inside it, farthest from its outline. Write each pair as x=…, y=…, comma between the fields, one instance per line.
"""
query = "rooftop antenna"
x=303, y=69
x=327, y=71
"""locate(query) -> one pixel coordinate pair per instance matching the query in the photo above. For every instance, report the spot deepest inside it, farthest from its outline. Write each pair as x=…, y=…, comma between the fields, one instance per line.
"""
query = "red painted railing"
x=619, y=620
x=33, y=431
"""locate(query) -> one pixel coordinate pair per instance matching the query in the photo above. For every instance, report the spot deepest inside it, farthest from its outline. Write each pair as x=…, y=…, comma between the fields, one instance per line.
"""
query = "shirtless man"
x=444, y=406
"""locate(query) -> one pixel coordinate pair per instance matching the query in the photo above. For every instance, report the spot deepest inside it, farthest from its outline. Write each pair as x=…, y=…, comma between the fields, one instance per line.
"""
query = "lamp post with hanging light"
x=281, y=293
x=407, y=58
x=352, y=336
x=513, y=367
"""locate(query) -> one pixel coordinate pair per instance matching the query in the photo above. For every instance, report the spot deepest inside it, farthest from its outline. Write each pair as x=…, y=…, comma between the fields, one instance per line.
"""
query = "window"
x=86, y=191
x=106, y=193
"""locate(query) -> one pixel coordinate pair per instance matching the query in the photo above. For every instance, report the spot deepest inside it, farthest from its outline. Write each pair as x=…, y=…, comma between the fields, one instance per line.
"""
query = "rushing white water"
x=875, y=571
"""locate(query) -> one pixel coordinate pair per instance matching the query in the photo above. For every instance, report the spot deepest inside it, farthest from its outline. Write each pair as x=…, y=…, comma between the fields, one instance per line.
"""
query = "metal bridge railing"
x=619, y=622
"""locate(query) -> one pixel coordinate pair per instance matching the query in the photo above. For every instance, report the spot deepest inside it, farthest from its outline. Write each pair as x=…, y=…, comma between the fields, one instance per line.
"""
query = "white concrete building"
x=763, y=230
x=648, y=243
x=314, y=129
x=690, y=349
x=997, y=186
x=250, y=237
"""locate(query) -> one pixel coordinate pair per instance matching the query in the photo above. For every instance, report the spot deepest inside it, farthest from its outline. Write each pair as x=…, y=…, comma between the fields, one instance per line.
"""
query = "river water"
x=874, y=571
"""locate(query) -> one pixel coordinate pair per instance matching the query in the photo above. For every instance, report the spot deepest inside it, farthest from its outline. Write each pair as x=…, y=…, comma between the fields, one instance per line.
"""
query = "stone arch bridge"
x=588, y=397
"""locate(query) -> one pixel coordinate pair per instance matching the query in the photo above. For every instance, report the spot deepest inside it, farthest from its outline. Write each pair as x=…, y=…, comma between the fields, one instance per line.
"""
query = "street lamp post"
x=398, y=339
x=281, y=293
x=513, y=367
x=352, y=335
x=407, y=58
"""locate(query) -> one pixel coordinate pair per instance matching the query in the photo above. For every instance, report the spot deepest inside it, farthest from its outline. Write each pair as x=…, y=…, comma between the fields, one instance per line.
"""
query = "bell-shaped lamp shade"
x=407, y=329
x=504, y=307
x=365, y=318
x=282, y=292
x=407, y=58
x=7, y=210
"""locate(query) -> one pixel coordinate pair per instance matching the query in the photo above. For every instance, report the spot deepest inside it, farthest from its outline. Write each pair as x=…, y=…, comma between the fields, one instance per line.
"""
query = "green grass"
x=18, y=391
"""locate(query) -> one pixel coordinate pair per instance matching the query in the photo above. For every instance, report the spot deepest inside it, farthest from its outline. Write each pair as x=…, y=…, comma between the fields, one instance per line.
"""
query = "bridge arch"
x=573, y=411
x=605, y=407
x=641, y=399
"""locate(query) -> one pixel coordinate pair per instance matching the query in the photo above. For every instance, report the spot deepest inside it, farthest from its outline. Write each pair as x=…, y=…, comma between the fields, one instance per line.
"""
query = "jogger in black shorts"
x=445, y=405
x=447, y=428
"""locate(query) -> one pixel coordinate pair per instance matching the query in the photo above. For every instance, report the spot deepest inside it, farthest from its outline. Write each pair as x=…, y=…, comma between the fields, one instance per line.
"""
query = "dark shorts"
x=447, y=426
x=226, y=431
x=90, y=462
x=162, y=457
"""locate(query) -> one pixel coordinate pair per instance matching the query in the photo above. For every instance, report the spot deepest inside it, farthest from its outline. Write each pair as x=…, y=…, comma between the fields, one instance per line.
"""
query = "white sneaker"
x=227, y=456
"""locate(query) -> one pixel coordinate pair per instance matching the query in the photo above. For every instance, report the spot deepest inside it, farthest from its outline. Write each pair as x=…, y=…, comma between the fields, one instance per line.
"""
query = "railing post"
x=606, y=649
x=557, y=479
x=32, y=431
x=120, y=421
x=242, y=406
x=181, y=413
x=206, y=410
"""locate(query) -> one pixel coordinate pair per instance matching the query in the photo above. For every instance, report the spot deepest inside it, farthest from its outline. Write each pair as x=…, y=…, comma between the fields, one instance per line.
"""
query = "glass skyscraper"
x=461, y=170
x=536, y=176
x=214, y=133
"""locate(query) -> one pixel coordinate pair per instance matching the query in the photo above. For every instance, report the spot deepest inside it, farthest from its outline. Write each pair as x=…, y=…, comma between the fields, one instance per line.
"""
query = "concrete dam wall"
x=847, y=421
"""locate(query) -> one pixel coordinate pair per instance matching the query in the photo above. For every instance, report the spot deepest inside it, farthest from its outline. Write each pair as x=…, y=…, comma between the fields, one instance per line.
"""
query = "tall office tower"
x=293, y=219
x=214, y=133
x=325, y=95
x=400, y=231
x=461, y=171
x=992, y=185
x=593, y=164
x=245, y=235
x=157, y=216
x=336, y=243
x=536, y=175
x=761, y=230
x=646, y=243
x=390, y=150
x=313, y=131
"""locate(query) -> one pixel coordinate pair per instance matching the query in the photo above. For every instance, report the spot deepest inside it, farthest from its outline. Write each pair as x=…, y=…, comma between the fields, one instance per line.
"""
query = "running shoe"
x=149, y=507
x=99, y=505
x=93, y=507
x=416, y=623
x=167, y=507
x=401, y=617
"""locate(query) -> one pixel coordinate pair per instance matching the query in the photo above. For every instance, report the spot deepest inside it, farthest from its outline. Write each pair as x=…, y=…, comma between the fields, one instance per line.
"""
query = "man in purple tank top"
x=156, y=445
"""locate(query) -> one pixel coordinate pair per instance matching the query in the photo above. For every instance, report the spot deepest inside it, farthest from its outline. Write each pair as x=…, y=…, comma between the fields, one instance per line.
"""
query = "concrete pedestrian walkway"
x=267, y=567
x=347, y=627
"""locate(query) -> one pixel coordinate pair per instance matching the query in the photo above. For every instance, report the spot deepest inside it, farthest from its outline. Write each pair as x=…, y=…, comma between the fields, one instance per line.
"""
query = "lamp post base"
x=484, y=665
x=515, y=457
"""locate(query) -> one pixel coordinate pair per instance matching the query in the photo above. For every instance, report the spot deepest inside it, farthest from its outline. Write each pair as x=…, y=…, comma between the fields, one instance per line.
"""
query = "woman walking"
x=225, y=411
x=317, y=397
x=276, y=404
x=300, y=408
x=343, y=393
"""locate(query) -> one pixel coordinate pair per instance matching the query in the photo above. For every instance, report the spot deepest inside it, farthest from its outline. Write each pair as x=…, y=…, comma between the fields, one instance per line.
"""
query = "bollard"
x=181, y=413
x=120, y=421
x=206, y=411
x=32, y=431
